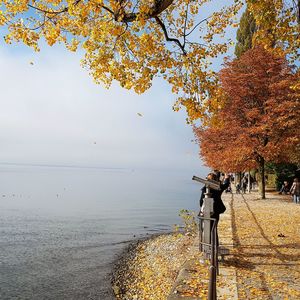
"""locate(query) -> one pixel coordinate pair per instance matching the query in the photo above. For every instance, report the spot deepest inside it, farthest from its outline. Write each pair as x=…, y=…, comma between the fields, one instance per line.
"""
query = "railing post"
x=207, y=212
x=208, y=234
x=216, y=246
x=200, y=235
x=213, y=255
x=212, y=288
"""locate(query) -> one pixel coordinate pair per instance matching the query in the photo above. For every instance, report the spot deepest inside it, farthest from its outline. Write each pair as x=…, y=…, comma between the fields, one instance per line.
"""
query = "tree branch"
x=202, y=21
x=185, y=23
x=163, y=27
x=53, y=12
x=160, y=6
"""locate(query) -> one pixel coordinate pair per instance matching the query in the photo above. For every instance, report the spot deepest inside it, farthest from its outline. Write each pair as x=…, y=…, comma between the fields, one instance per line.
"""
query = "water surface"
x=61, y=228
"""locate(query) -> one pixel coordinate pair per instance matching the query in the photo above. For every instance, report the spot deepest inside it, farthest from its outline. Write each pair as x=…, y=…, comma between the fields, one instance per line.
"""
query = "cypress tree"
x=245, y=33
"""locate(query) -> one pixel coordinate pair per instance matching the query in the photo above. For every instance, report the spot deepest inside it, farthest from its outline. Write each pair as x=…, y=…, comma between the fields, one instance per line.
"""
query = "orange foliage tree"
x=258, y=120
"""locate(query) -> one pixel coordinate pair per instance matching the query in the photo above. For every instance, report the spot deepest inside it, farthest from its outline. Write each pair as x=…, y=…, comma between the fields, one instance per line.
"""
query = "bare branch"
x=53, y=12
x=185, y=23
x=198, y=24
x=108, y=9
x=163, y=27
x=49, y=11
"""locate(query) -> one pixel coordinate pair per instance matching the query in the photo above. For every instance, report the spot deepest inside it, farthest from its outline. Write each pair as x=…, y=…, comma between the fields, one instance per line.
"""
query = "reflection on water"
x=62, y=228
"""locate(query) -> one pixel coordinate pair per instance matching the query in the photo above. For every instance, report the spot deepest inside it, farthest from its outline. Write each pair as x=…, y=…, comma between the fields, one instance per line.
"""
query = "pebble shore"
x=148, y=268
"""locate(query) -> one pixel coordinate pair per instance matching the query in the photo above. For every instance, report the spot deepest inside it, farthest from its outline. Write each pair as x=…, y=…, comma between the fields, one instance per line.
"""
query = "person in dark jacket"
x=285, y=188
x=218, y=205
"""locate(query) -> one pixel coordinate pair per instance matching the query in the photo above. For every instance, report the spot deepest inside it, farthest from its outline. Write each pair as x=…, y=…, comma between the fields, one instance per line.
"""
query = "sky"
x=52, y=113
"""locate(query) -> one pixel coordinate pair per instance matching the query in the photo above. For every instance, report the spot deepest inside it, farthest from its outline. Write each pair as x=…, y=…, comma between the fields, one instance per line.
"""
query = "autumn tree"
x=258, y=120
x=245, y=34
x=245, y=39
x=135, y=41
x=278, y=25
x=131, y=41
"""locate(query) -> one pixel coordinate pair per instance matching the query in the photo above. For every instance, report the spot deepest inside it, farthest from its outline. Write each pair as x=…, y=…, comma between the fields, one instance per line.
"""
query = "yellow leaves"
x=221, y=19
x=296, y=86
x=124, y=41
x=271, y=268
x=23, y=34
x=278, y=26
x=194, y=110
x=194, y=9
x=51, y=34
x=264, y=265
x=3, y=18
x=149, y=271
x=73, y=45
x=17, y=6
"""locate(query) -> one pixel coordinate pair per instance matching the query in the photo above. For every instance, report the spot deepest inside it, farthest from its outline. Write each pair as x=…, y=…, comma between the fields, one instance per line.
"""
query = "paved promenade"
x=264, y=262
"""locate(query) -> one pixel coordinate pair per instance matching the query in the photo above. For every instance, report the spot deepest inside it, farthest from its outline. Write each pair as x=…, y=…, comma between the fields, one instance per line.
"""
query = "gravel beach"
x=148, y=268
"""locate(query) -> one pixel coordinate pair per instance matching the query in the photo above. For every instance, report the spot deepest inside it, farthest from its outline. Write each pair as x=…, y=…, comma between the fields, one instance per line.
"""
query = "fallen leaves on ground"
x=150, y=268
x=266, y=236
x=265, y=256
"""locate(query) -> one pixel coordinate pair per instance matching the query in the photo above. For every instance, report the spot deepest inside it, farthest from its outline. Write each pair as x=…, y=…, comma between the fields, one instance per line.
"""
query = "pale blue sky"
x=53, y=113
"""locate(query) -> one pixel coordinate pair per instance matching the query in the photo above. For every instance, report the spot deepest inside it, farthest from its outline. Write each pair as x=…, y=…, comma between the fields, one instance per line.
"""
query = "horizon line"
x=62, y=166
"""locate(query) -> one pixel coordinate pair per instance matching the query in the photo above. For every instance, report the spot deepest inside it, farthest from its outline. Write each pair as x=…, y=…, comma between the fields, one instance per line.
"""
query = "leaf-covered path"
x=266, y=252
x=264, y=262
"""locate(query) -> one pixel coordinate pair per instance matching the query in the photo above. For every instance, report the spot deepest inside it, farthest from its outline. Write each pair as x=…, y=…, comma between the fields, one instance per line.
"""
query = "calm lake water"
x=62, y=228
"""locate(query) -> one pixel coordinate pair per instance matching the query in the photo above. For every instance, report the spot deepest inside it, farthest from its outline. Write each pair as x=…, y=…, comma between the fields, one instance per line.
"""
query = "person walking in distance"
x=295, y=190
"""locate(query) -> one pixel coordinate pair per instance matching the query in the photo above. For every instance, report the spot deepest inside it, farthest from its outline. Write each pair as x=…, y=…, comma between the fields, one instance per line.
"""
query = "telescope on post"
x=206, y=211
x=212, y=184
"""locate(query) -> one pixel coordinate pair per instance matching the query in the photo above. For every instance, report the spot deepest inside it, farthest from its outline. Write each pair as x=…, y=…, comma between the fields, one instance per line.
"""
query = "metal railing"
x=212, y=248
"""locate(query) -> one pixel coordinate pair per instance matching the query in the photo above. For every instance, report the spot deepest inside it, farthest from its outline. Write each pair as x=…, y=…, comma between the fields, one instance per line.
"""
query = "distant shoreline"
x=62, y=166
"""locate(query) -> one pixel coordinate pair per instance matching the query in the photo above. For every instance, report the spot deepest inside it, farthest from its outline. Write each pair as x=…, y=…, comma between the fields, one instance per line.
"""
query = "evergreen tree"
x=245, y=33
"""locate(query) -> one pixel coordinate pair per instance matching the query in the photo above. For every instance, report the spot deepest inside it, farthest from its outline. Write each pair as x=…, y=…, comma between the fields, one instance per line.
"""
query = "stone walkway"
x=227, y=284
x=264, y=241
x=266, y=238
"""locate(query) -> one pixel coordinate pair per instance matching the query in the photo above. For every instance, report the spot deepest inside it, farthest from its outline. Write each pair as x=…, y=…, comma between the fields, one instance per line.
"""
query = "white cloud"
x=51, y=112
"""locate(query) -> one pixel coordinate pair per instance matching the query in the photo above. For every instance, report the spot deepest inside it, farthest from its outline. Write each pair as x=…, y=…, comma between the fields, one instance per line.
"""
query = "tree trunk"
x=261, y=170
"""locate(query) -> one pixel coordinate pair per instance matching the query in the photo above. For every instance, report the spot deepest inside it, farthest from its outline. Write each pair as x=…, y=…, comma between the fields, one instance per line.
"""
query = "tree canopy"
x=134, y=41
x=278, y=25
x=258, y=120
